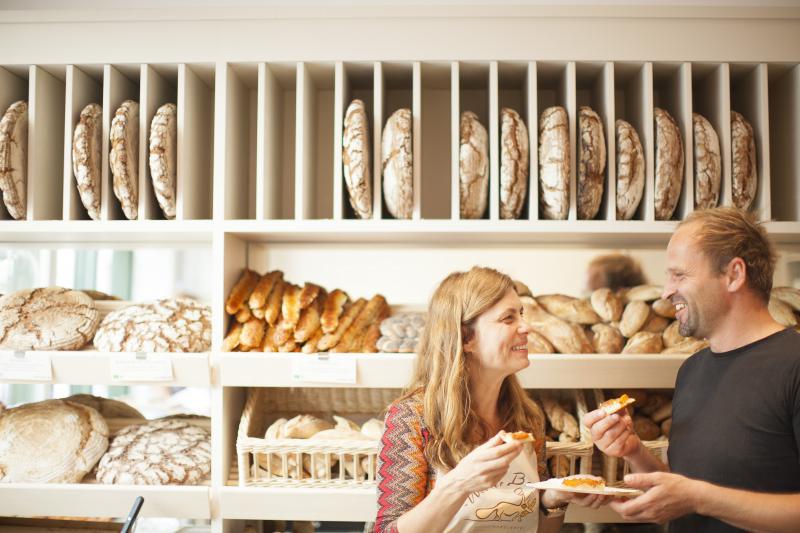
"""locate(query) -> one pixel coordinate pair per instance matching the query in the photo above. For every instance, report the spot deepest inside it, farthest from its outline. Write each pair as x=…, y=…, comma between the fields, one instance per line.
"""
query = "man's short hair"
x=723, y=233
x=614, y=271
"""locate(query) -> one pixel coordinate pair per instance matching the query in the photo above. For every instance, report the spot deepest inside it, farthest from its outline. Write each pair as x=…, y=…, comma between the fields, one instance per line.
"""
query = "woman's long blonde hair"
x=441, y=375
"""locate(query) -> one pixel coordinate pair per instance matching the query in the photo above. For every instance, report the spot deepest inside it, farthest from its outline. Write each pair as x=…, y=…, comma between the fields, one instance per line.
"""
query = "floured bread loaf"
x=53, y=441
x=630, y=170
x=49, y=318
x=669, y=164
x=513, y=164
x=592, y=159
x=107, y=407
x=171, y=325
x=161, y=452
x=124, y=157
x=398, y=170
x=87, y=157
x=554, y=163
x=707, y=163
x=355, y=157
x=473, y=168
x=164, y=156
x=743, y=148
x=14, y=158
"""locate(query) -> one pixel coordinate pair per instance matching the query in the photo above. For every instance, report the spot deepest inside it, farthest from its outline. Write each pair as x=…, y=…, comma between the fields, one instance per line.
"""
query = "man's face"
x=693, y=286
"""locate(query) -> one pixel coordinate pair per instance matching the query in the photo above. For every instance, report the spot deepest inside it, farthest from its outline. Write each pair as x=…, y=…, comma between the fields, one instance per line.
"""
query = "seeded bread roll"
x=124, y=157
x=669, y=164
x=14, y=159
x=630, y=170
x=592, y=159
x=743, y=147
x=87, y=158
x=513, y=164
x=398, y=169
x=473, y=168
x=707, y=163
x=554, y=163
x=355, y=157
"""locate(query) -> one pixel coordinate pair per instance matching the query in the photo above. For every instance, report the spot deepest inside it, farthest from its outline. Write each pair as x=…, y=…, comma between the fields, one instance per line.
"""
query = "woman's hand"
x=482, y=468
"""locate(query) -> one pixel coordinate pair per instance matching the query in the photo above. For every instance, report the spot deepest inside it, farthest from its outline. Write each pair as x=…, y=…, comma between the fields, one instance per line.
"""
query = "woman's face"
x=500, y=340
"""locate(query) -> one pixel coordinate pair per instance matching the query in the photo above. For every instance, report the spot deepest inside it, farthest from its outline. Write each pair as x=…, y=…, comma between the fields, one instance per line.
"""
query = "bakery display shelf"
x=100, y=500
x=113, y=234
x=546, y=371
x=92, y=367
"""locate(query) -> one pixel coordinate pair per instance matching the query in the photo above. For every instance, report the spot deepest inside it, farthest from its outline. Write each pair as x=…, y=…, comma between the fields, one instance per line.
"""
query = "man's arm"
x=669, y=496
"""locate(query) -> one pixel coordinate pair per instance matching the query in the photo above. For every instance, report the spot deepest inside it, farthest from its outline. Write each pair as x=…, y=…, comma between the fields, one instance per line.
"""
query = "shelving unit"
x=261, y=94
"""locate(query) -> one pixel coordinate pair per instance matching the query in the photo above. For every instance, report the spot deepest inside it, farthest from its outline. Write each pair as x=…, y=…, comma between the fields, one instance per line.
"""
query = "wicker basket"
x=577, y=454
x=279, y=462
x=611, y=468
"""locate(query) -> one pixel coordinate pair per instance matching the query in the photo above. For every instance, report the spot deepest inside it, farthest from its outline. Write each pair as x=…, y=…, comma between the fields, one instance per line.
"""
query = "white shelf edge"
x=116, y=233
x=100, y=500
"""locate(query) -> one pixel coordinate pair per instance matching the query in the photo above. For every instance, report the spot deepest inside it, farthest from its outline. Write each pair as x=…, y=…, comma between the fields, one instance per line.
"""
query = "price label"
x=141, y=367
x=25, y=366
x=324, y=369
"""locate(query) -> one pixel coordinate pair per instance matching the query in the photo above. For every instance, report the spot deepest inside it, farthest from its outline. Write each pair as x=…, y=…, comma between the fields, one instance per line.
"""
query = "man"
x=733, y=453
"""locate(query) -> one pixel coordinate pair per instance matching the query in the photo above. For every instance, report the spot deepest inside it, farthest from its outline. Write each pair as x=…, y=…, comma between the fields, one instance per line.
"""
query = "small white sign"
x=25, y=366
x=141, y=367
x=324, y=369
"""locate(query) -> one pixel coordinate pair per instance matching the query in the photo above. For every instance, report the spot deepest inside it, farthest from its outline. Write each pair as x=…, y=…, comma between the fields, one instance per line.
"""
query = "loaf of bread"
x=664, y=308
x=669, y=164
x=514, y=159
x=397, y=161
x=355, y=157
x=788, y=295
x=564, y=336
x=643, y=342
x=107, y=407
x=258, y=297
x=655, y=324
x=743, y=148
x=124, y=157
x=630, y=170
x=160, y=452
x=568, y=308
x=14, y=159
x=634, y=317
x=554, y=163
x=607, y=305
x=87, y=158
x=707, y=163
x=607, y=339
x=473, y=168
x=592, y=159
x=164, y=157
x=537, y=343
x=671, y=335
x=241, y=291
x=560, y=419
x=644, y=293
x=48, y=318
x=54, y=441
x=782, y=312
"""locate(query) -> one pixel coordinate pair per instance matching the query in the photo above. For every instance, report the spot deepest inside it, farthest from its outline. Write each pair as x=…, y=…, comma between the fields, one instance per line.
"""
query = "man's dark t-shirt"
x=736, y=421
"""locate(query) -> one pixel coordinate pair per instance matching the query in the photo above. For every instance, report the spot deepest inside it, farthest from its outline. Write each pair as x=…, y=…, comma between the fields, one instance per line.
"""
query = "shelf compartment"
x=353, y=80
x=633, y=103
x=436, y=130
x=236, y=171
x=120, y=83
x=84, y=86
x=195, y=141
x=158, y=84
x=275, y=159
x=711, y=98
x=395, y=84
x=551, y=371
x=749, y=94
x=314, y=141
x=516, y=89
x=117, y=234
x=595, y=89
x=91, y=367
x=97, y=499
x=784, y=138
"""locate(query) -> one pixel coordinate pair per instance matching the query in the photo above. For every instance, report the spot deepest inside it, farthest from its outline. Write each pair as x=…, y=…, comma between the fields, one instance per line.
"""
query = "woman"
x=443, y=465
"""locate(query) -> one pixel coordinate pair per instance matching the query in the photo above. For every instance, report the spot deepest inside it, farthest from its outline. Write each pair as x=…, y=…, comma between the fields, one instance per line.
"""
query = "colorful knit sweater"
x=405, y=477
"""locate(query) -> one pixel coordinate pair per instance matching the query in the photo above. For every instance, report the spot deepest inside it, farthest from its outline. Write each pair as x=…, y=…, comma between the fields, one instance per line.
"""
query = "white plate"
x=555, y=484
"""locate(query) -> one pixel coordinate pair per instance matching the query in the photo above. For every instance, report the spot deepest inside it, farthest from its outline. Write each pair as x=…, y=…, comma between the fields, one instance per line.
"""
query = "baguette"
x=308, y=324
x=329, y=340
x=308, y=294
x=332, y=309
x=244, y=314
x=258, y=298
x=231, y=340
x=311, y=344
x=290, y=306
x=376, y=309
x=370, y=339
x=273, y=309
x=268, y=342
x=241, y=291
x=252, y=333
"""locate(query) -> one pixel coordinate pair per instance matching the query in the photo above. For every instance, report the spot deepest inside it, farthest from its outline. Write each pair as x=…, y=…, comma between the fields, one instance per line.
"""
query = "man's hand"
x=612, y=434
x=667, y=496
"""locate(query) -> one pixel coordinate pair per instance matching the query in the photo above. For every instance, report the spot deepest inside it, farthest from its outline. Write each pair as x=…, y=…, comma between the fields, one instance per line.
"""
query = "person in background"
x=443, y=463
x=733, y=452
x=613, y=271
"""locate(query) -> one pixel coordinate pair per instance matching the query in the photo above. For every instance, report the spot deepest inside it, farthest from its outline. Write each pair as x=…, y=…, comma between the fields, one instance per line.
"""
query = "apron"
x=508, y=506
